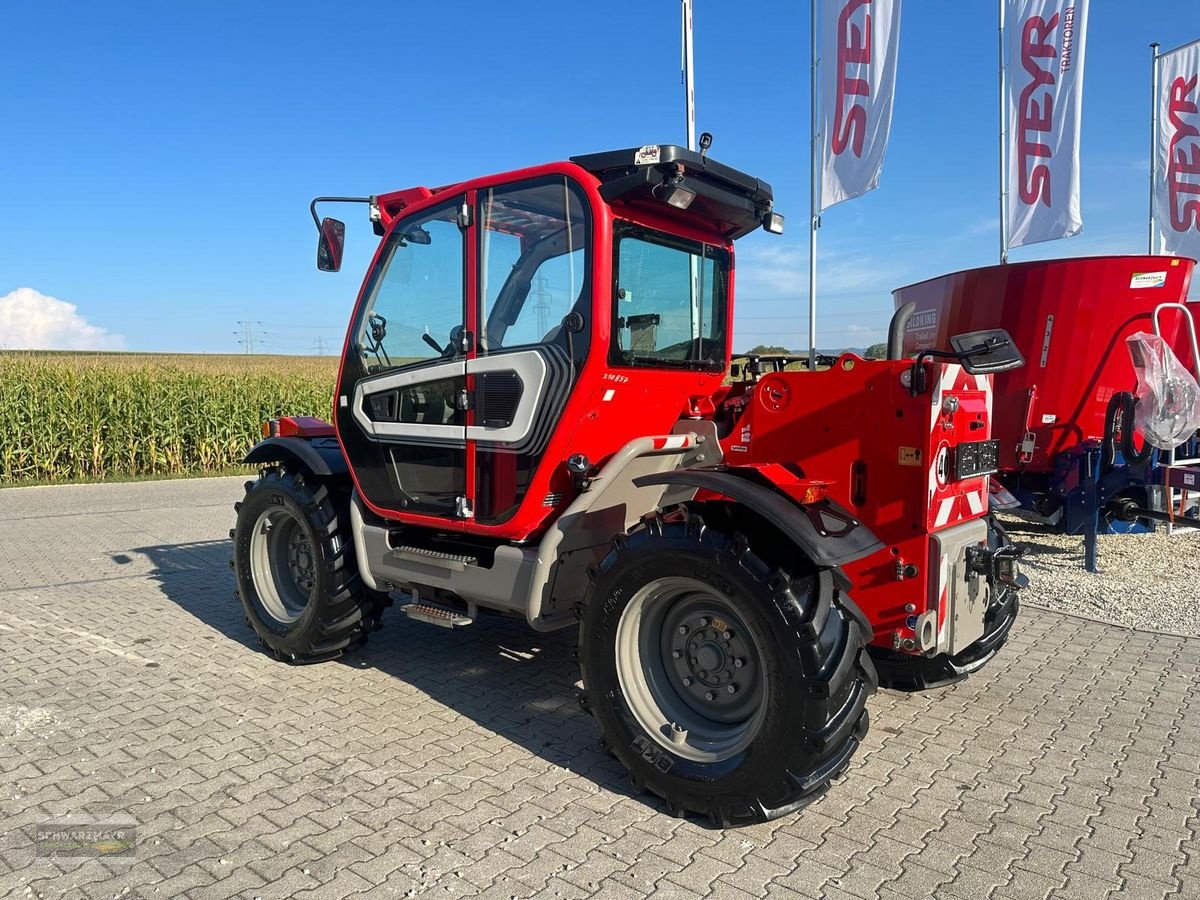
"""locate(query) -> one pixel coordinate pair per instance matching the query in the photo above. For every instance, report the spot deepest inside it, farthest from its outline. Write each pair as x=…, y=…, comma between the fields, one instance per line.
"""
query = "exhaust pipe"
x=895, y=344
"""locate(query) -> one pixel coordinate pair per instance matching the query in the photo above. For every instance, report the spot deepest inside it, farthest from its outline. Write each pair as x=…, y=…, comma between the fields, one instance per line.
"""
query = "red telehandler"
x=538, y=415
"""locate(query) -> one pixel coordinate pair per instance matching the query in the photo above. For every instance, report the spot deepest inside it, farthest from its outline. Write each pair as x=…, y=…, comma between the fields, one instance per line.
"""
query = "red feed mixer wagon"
x=1064, y=453
x=535, y=418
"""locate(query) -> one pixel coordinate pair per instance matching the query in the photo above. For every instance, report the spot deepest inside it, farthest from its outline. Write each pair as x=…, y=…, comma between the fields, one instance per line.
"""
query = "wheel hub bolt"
x=726, y=635
x=683, y=629
x=711, y=695
x=676, y=654
x=687, y=682
x=704, y=621
x=732, y=689
x=738, y=663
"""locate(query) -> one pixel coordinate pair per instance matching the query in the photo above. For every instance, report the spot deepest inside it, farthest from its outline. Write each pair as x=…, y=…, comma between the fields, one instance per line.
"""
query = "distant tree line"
x=875, y=351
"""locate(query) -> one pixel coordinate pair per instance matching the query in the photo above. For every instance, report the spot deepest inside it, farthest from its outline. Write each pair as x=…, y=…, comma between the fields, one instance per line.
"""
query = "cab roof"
x=659, y=178
x=733, y=202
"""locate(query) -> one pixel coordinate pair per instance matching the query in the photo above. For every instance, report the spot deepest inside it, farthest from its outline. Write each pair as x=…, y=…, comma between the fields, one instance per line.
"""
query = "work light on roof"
x=676, y=192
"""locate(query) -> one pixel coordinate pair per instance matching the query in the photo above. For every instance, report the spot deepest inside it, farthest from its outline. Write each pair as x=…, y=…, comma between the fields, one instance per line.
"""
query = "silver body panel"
x=959, y=597
x=545, y=582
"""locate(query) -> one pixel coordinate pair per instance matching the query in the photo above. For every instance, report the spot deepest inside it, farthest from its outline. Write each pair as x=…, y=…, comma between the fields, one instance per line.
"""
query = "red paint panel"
x=304, y=426
x=857, y=431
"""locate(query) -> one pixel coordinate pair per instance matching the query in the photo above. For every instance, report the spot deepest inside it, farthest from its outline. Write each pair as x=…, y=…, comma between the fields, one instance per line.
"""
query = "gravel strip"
x=1146, y=581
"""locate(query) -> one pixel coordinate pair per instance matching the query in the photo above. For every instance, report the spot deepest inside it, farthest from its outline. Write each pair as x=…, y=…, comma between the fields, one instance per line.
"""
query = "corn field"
x=77, y=417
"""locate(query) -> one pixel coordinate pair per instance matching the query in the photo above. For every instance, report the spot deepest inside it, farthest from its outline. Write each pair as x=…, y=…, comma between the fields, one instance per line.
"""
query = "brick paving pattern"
x=453, y=764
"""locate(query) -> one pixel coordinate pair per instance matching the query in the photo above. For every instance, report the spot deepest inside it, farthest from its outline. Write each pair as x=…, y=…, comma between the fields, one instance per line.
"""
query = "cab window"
x=668, y=301
x=533, y=264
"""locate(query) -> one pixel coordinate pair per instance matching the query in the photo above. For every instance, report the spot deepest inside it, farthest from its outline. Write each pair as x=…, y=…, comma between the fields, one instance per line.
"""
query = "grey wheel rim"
x=282, y=564
x=690, y=669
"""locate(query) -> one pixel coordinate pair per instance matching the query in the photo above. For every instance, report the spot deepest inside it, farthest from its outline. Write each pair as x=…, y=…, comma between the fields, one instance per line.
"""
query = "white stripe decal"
x=676, y=442
x=943, y=513
x=974, y=502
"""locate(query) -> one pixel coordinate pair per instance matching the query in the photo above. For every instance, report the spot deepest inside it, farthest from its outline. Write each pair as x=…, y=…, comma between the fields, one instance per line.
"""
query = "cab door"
x=402, y=403
x=533, y=313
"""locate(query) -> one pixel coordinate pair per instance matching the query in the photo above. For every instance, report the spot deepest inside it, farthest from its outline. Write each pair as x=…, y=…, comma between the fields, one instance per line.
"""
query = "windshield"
x=669, y=301
x=415, y=309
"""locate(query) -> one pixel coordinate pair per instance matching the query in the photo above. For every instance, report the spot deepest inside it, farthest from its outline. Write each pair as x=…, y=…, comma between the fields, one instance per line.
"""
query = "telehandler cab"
x=538, y=415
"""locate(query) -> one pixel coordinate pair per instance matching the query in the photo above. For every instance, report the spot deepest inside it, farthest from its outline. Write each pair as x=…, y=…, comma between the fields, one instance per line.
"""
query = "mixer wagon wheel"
x=731, y=689
x=294, y=568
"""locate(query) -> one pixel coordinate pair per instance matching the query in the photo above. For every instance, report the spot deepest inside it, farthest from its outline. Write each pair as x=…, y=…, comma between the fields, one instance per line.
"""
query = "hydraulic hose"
x=1122, y=404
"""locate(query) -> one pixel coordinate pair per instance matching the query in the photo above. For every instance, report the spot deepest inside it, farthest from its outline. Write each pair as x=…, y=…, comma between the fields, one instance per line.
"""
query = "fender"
x=321, y=456
x=823, y=530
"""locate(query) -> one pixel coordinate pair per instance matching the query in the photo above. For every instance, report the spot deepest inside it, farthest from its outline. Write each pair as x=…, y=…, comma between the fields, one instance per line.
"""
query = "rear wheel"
x=728, y=688
x=295, y=570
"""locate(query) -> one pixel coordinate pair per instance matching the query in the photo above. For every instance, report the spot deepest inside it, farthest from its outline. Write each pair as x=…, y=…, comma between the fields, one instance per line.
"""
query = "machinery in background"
x=1069, y=453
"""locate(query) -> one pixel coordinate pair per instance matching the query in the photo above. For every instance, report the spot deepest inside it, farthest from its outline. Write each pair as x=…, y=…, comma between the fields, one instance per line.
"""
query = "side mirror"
x=330, y=244
x=987, y=352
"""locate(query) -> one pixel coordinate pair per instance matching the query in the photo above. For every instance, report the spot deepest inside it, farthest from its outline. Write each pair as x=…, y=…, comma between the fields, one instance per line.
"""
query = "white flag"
x=1045, y=94
x=1177, y=187
x=860, y=40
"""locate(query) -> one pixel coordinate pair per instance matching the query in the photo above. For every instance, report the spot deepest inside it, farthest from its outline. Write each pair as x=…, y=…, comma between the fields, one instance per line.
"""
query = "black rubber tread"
x=817, y=649
x=908, y=673
x=343, y=610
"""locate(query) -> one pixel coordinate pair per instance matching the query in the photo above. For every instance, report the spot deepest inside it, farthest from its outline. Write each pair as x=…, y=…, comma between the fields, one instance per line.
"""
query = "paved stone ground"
x=450, y=764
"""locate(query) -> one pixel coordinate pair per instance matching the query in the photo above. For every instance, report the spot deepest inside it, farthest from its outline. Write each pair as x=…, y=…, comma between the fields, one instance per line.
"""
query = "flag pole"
x=814, y=185
x=1003, y=142
x=1153, y=138
x=689, y=99
x=689, y=89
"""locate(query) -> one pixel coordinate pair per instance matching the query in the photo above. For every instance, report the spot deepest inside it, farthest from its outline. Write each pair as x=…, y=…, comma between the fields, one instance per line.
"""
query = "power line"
x=250, y=331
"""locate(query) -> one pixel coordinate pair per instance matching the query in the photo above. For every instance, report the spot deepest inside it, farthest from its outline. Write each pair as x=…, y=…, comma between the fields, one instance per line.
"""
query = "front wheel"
x=728, y=688
x=295, y=570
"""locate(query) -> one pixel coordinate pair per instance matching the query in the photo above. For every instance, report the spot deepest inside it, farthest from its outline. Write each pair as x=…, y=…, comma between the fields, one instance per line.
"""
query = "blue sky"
x=158, y=159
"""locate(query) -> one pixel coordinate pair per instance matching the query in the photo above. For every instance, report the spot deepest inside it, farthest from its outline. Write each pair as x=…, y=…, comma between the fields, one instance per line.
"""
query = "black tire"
x=905, y=672
x=324, y=610
x=810, y=642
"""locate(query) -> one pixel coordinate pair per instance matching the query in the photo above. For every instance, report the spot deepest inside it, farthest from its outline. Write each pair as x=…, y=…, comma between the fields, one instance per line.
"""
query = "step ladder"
x=435, y=614
x=1181, y=474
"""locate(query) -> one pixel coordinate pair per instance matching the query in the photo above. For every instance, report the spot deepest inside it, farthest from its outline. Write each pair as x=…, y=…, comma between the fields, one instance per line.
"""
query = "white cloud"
x=30, y=320
x=771, y=271
x=863, y=329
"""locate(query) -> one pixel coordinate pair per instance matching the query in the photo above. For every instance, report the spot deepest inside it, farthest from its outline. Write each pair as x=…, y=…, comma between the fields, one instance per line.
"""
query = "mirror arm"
x=918, y=369
x=312, y=207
